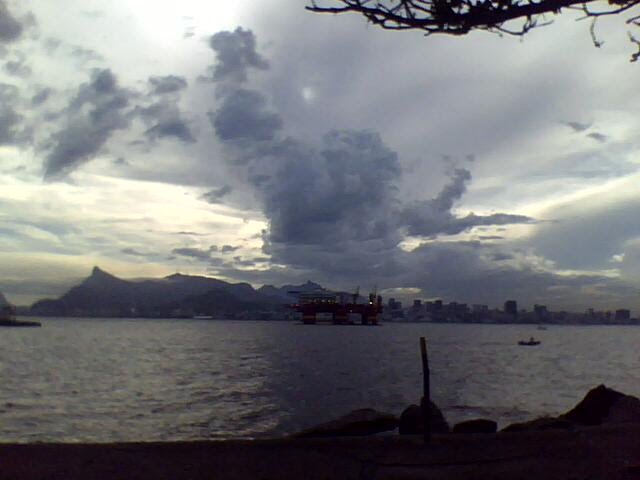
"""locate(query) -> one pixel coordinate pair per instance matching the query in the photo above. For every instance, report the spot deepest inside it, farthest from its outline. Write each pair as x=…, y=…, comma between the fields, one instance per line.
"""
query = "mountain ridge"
x=102, y=294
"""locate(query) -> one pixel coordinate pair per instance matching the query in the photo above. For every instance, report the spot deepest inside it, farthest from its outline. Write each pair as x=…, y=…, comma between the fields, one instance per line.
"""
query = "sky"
x=258, y=142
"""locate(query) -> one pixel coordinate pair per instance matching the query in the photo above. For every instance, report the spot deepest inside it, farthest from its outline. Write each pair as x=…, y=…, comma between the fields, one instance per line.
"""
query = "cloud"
x=577, y=126
x=167, y=84
x=229, y=248
x=216, y=195
x=132, y=251
x=169, y=124
x=333, y=206
x=85, y=55
x=434, y=217
x=243, y=115
x=97, y=111
x=598, y=137
x=163, y=116
x=482, y=273
x=11, y=129
x=41, y=96
x=17, y=68
x=236, y=53
x=10, y=28
x=197, y=253
x=587, y=234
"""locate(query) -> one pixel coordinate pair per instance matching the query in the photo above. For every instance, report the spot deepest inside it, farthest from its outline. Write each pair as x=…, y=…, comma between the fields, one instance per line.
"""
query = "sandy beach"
x=606, y=452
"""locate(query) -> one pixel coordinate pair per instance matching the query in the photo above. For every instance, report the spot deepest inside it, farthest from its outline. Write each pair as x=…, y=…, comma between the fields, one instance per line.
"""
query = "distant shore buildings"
x=438, y=311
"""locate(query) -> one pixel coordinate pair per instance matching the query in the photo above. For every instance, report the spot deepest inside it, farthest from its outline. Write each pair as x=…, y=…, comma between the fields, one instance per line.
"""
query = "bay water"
x=105, y=380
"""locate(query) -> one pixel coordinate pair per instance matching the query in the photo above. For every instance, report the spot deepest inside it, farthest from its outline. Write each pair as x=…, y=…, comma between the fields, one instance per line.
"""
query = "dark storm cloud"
x=97, y=111
x=333, y=207
x=229, y=248
x=244, y=115
x=339, y=192
x=167, y=84
x=216, y=195
x=10, y=27
x=236, y=53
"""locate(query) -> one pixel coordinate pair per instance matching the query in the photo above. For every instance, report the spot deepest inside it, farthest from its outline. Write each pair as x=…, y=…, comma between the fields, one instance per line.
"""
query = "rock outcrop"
x=604, y=405
x=411, y=420
x=601, y=405
x=366, y=421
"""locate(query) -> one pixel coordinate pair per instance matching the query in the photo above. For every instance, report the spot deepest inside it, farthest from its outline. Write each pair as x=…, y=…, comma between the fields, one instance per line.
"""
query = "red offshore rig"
x=341, y=312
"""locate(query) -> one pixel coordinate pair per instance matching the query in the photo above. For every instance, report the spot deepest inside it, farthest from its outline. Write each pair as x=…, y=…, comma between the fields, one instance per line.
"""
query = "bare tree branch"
x=459, y=17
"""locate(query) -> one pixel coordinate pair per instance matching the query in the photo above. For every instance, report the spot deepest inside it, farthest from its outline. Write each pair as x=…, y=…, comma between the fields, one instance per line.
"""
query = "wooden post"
x=426, y=392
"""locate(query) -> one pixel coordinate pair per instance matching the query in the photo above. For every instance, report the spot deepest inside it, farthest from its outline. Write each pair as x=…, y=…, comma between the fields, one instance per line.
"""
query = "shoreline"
x=601, y=452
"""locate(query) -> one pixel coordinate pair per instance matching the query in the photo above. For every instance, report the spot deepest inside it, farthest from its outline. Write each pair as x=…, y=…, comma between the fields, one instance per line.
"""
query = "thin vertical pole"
x=426, y=392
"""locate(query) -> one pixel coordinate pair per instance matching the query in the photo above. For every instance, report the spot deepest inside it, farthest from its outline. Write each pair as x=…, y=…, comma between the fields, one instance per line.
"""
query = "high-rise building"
x=511, y=307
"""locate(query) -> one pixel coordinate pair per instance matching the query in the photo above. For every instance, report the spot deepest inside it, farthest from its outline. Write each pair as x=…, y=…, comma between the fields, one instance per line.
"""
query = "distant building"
x=540, y=311
x=457, y=309
x=511, y=307
x=480, y=308
x=394, y=304
x=417, y=303
x=623, y=314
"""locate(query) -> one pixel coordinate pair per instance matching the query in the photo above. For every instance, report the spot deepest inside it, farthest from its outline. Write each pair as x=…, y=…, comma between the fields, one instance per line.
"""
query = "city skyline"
x=274, y=145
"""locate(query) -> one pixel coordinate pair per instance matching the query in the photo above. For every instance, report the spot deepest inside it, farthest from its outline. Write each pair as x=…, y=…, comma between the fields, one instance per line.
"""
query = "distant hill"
x=104, y=295
x=289, y=293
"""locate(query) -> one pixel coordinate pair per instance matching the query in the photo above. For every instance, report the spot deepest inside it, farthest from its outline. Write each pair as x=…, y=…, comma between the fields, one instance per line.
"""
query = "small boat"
x=529, y=343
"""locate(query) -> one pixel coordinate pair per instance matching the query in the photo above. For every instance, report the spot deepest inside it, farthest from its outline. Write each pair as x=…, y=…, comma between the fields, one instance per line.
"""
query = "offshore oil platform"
x=341, y=309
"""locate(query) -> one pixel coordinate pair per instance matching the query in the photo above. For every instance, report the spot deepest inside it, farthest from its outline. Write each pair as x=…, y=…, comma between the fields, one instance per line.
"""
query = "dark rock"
x=411, y=420
x=625, y=409
x=542, y=423
x=604, y=405
x=357, y=423
x=600, y=405
x=479, y=425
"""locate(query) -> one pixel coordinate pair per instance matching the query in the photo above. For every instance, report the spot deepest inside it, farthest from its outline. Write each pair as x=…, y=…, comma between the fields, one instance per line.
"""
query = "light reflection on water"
x=116, y=380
